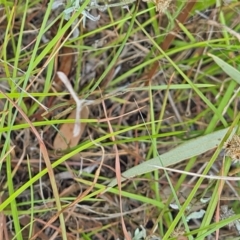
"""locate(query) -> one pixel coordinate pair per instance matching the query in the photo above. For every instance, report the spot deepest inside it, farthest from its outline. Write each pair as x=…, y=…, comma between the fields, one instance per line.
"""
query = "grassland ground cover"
x=119, y=120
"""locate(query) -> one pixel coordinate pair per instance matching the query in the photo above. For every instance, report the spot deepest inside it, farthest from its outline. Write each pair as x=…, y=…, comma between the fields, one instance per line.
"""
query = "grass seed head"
x=232, y=148
x=161, y=5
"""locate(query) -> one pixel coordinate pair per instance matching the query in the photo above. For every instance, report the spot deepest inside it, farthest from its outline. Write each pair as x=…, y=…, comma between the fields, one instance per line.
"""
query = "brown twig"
x=182, y=17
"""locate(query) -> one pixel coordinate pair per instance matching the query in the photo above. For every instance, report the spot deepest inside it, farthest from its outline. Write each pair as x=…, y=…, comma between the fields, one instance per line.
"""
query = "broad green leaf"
x=204, y=4
x=228, y=69
x=185, y=151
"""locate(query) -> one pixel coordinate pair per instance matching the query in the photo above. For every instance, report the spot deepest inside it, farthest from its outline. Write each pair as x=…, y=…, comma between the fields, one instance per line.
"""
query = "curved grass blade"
x=185, y=151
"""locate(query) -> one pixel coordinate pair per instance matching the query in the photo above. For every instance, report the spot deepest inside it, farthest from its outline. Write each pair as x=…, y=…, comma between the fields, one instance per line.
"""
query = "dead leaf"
x=25, y=221
x=66, y=61
x=64, y=138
